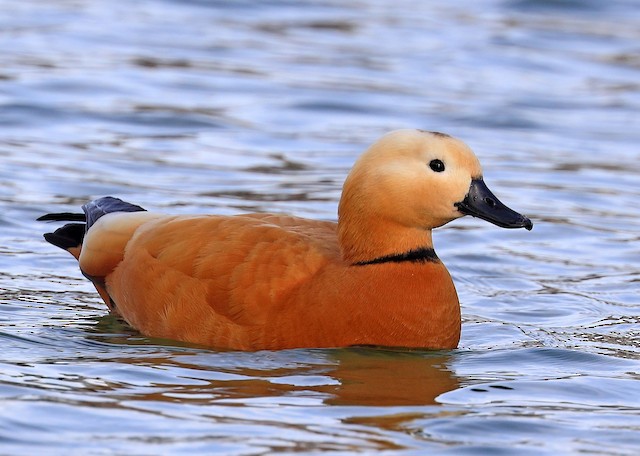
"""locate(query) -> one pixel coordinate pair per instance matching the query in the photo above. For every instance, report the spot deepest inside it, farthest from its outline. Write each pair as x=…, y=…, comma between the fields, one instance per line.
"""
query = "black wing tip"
x=67, y=237
x=62, y=217
x=72, y=234
x=93, y=210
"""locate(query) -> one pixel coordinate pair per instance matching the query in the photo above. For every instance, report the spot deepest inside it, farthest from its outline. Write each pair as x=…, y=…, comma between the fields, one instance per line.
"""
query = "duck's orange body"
x=264, y=281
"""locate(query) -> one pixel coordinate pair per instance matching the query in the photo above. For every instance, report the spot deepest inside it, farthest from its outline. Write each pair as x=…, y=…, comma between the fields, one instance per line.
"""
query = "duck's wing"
x=210, y=279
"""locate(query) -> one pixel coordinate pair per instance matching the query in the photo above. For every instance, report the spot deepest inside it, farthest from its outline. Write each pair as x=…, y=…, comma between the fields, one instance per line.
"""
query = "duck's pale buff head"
x=411, y=181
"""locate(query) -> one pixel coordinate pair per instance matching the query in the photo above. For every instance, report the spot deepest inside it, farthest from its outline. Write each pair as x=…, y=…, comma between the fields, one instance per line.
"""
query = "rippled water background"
x=230, y=106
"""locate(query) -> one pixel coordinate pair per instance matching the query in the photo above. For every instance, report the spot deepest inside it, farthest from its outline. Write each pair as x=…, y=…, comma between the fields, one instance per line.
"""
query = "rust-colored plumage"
x=265, y=281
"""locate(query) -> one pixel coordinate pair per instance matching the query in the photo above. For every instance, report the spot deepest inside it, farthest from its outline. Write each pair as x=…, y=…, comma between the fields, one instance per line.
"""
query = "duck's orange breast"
x=271, y=282
x=410, y=304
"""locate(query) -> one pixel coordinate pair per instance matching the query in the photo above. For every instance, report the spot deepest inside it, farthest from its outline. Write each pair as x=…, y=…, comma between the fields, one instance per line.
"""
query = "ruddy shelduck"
x=270, y=281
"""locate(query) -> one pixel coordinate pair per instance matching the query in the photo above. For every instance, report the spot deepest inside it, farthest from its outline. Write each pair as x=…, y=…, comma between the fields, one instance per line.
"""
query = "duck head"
x=407, y=183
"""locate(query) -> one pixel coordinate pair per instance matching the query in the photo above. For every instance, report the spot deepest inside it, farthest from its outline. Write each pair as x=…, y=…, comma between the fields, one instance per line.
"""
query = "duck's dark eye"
x=436, y=165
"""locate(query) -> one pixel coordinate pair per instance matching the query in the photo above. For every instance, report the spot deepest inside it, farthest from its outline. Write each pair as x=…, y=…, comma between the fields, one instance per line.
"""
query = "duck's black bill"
x=481, y=203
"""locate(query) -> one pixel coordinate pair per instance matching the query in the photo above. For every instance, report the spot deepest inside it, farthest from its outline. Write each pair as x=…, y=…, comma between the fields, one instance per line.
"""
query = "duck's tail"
x=71, y=235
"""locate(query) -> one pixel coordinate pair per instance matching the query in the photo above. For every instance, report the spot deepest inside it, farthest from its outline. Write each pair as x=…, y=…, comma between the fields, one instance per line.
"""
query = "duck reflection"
x=351, y=376
x=389, y=377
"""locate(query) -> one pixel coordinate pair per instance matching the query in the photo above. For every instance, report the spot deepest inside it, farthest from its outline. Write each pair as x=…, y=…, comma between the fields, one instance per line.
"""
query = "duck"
x=266, y=281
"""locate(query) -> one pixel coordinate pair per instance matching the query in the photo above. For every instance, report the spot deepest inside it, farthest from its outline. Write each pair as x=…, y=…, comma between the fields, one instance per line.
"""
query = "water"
x=224, y=107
